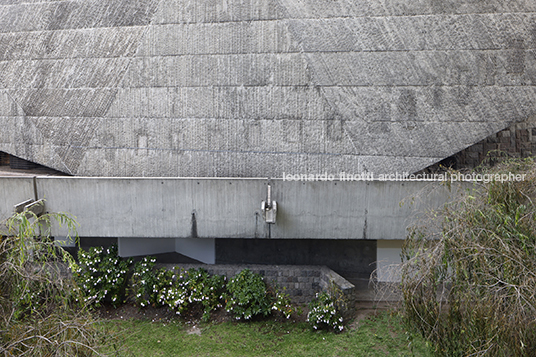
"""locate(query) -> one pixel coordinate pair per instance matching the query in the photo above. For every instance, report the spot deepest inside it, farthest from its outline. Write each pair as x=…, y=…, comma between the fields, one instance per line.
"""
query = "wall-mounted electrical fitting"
x=269, y=207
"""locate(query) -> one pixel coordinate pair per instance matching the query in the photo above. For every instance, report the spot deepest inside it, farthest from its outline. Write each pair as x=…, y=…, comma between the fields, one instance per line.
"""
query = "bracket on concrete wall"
x=269, y=207
x=31, y=205
x=34, y=205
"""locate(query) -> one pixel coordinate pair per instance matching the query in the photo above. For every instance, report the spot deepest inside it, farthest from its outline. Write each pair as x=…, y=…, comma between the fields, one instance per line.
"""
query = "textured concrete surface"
x=256, y=88
x=230, y=208
x=351, y=227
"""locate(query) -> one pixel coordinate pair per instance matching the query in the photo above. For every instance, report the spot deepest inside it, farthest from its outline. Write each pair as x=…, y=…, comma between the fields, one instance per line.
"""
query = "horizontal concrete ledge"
x=114, y=178
x=336, y=178
x=330, y=277
x=200, y=208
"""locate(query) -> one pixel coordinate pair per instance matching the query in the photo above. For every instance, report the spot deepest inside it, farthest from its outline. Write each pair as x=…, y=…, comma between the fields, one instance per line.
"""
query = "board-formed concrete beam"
x=198, y=209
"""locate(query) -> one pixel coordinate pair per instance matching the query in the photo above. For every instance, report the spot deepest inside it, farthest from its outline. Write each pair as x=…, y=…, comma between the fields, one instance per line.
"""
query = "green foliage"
x=323, y=313
x=205, y=289
x=145, y=282
x=191, y=287
x=32, y=270
x=102, y=275
x=469, y=276
x=172, y=292
x=247, y=296
x=41, y=309
x=178, y=292
x=282, y=304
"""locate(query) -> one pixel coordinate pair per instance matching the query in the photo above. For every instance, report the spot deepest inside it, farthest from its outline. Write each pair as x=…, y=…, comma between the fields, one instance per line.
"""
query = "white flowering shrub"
x=146, y=283
x=247, y=296
x=323, y=313
x=205, y=289
x=102, y=275
x=172, y=292
x=282, y=304
x=188, y=288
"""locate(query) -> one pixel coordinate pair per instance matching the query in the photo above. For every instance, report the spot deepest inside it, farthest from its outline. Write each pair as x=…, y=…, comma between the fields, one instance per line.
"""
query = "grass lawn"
x=374, y=336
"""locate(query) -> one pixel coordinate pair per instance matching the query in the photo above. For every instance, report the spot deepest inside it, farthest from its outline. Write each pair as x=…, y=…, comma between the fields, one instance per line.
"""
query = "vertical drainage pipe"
x=36, y=197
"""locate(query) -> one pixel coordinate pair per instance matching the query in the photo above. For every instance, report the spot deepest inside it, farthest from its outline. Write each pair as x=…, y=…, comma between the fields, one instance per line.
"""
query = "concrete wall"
x=347, y=226
x=255, y=88
x=230, y=208
x=13, y=191
x=388, y=260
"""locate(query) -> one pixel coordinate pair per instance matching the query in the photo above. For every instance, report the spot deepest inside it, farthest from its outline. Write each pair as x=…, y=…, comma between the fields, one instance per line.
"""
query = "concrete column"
x=388, y=260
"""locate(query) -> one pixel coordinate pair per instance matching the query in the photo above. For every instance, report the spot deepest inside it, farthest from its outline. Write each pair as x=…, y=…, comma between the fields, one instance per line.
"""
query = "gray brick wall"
x=518, y=140
x=301, y=282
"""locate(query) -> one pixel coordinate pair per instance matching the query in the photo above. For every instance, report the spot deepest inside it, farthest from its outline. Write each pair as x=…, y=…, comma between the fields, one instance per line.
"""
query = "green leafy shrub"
x=172, y=291
x=33, y=271
x=469, y=273
x=192, y=287
x=282, y=304
x=323, y=313
x=102, y=275
x=145, y=282
x=247, y=296
x=205, y=289
x=41, y=309
x=183, y=290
